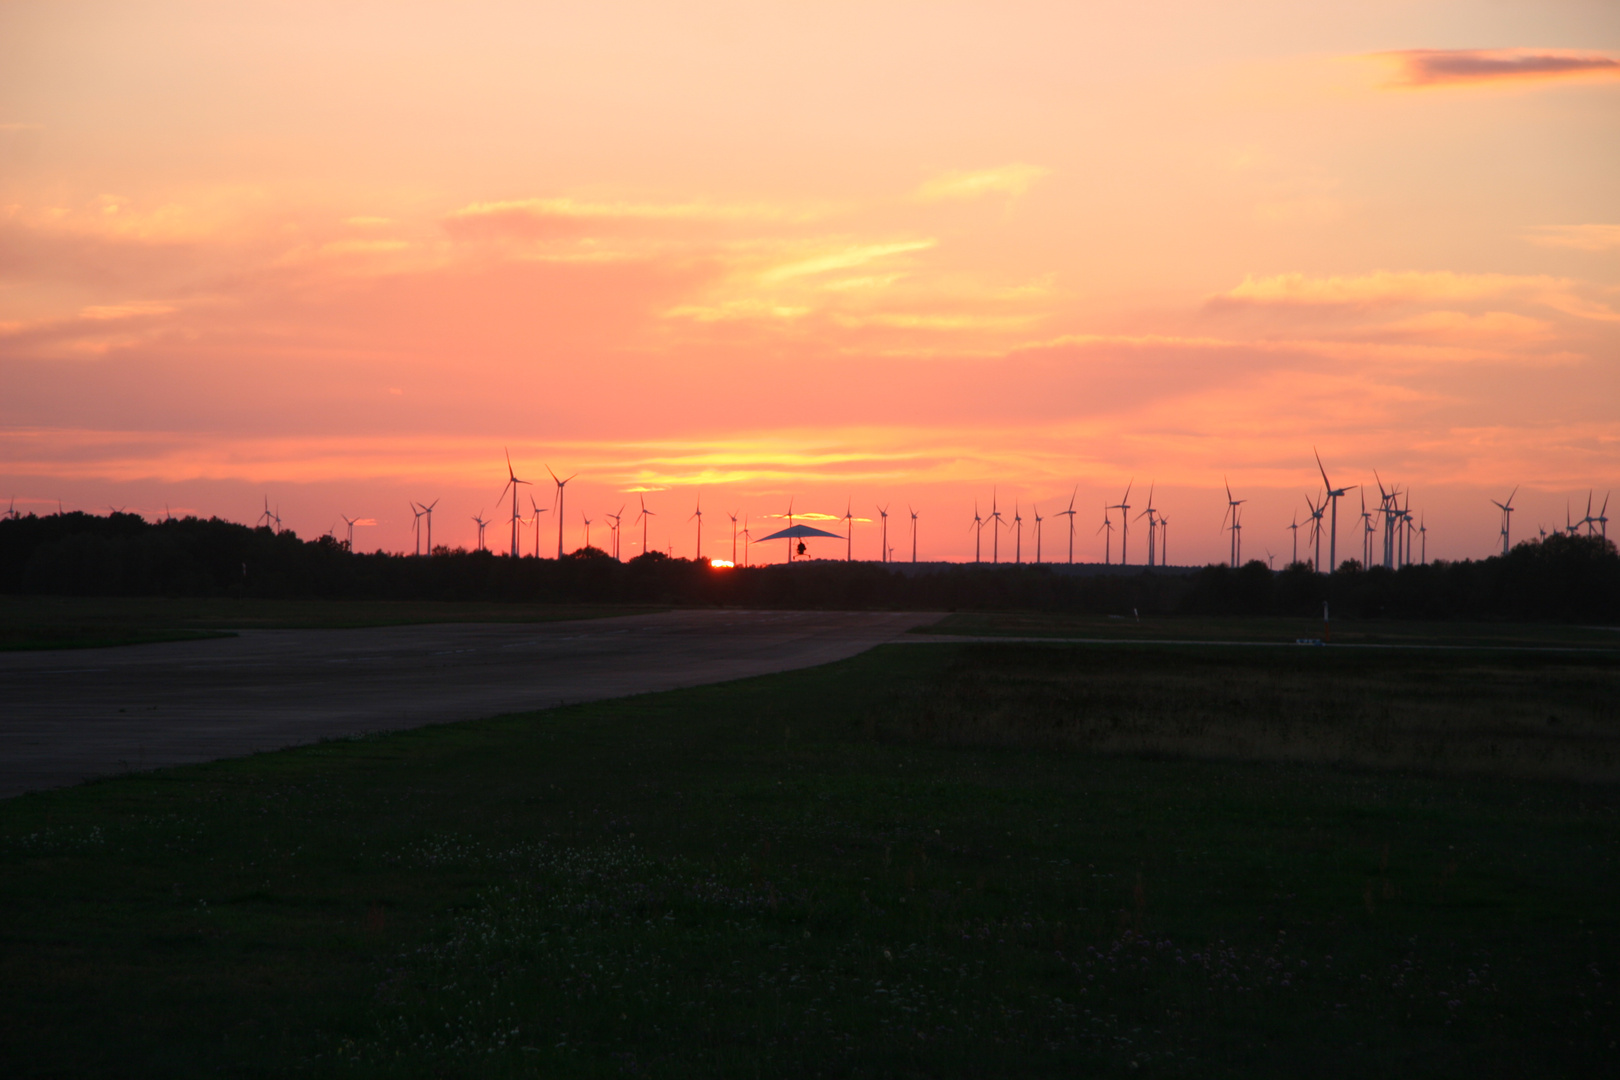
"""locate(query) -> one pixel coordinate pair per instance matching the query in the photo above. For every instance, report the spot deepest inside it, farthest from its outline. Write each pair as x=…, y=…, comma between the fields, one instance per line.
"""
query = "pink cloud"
x=1438, y=67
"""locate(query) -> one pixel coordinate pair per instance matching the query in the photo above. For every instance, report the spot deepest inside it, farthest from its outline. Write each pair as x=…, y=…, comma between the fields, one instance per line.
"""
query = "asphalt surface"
x=70, y=715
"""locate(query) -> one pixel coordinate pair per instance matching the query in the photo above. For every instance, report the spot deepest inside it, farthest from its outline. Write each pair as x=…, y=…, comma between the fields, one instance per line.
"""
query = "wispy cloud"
x=133, y=310
x=1014, y=179
x=842, y=258
x=1583, y=237
x=363, y=247
x=537, y=217
x=1378, y=287
x=1441, y=67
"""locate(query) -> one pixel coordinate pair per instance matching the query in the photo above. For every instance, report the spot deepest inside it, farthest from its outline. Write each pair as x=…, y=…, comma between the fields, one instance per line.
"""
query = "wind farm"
x=381, y=701
x=1394, y=533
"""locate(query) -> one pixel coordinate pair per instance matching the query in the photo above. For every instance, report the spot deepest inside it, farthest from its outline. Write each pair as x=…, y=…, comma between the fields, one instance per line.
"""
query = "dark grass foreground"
x=906, y=864
x=72, y=622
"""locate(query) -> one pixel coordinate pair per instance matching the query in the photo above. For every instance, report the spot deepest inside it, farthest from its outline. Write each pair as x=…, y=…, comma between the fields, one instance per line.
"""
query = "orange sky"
x=340, y=255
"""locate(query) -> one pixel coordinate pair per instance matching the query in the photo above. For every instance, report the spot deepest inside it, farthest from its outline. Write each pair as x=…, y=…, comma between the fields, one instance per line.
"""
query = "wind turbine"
x=1164, y=539
x=1069, y=513
x=1232, y=514
x=790, y=525
x=995, y=530
x=733, y=539
x=536, y=510
x=913, y=533
x=478, y=517
x=642, y=517
x=1507, y=519
x=1108, y=537
x=1124, y=507
x=1036, y=510
x=748, y=538
x=618, y=524
x=416, y=527
x=1332, y=497
x=698, y=515
x=978, y=529
x=1294, y=528
x=883, y=514
x=1367, y=530
x=428, y=513
x=1316, y=531
x=349, y=521
x=1603, y=517
x=1152, y=524
x=1423, y=541
x=1588, y=520
x=587, y=530
x=512, y=482
x=11, y=510
x=1018, y=524
x=561, y=484
x=849, y=532
x=1386, y=506
x=263, y=521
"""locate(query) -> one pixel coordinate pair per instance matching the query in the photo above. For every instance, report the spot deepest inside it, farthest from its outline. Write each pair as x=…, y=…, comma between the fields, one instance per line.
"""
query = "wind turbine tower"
x=512, y=482
x=1316, y=531
x=1069, y=513
x=913, y=533
x=995, y=530
x=536, y=510
x=698, y=515
x=1124, y=507
x=1333, y=494
x=1152, y=525
x=416, y=527
x=1231, y=515
x=1507, y=519
x=561, y=485
x=642, y=517
x=883, y=515
x=427, y=511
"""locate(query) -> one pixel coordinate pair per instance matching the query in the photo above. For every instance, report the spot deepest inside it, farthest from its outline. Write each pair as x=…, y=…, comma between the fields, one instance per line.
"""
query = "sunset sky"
x=339, y=255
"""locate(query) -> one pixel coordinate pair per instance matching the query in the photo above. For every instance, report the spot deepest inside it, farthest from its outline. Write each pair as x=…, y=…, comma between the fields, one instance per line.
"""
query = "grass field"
x=930, y=860
x=1042, y=624
x=92, y=622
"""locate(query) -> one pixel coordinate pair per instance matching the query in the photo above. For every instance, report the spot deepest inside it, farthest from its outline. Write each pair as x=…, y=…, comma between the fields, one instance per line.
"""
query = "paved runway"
x=69, y=715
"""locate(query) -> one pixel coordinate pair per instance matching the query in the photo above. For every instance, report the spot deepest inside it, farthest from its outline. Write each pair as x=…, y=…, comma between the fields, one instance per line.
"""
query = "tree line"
x=1557, y=578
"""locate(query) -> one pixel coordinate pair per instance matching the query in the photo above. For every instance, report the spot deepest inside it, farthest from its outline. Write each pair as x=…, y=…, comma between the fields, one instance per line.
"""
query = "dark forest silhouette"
x=1558, y=578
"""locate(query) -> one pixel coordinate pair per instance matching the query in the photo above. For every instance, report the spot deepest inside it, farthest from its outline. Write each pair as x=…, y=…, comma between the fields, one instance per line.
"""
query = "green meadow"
x=930, y=860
